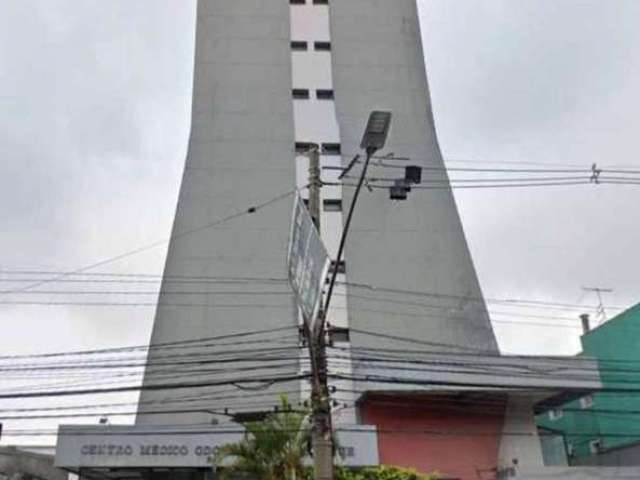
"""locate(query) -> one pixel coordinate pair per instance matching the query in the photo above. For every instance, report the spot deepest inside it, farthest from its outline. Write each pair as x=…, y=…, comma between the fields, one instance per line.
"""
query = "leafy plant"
x=272, y=449
x=275, y=449
x=381, y=473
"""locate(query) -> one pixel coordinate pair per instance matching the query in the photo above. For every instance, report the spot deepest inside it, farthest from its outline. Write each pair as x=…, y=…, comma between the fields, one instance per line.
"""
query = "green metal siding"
x=616, y=346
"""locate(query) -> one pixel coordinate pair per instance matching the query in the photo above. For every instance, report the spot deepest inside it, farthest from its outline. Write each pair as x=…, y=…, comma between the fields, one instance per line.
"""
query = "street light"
x=374, y=138
x=376, y=133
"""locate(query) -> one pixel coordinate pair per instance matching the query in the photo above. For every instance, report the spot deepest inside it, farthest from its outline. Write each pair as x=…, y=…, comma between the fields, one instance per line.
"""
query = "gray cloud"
x=554, y=82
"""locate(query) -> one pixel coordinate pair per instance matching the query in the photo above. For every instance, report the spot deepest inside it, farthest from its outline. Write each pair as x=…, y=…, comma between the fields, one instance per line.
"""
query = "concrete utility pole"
x=374, y=139
x=315, y=184
x=322, y=437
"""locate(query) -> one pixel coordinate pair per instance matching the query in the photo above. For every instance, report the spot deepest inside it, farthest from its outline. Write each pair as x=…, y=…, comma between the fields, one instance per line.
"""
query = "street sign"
x=307, y=262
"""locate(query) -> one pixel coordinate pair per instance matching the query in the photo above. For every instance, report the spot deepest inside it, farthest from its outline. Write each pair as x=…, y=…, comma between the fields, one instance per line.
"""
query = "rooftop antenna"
x=600, y=312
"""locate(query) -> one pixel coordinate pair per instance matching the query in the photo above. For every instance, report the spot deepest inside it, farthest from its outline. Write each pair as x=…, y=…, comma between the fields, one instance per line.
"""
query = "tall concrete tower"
x=240, y=154
x=271, y=77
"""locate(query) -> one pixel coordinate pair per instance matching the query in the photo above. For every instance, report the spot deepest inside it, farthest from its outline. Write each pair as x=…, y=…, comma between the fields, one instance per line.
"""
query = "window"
x=324, y=94
x=331, y=149
x=555, y=414
x=321, y=2
x=595, y=446
x=322, y=46
x=304, y=147
x=300, y=94
x=299, y=46
x=346, y=452
x=332, y=205
x=297, y=2
x=339, y=335
x=586, y=402
x=342, y=266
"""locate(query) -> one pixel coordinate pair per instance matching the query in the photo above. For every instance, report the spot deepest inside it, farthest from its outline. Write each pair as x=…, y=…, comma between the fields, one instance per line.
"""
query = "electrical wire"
x=241, y=213
x=155, y=387
x=154, y=346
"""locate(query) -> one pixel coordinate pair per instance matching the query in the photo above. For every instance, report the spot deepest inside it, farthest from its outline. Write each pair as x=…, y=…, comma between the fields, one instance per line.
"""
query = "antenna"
x=601, y=313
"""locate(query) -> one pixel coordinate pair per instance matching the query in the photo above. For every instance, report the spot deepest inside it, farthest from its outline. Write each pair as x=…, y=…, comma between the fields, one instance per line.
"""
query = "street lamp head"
x=376, y=132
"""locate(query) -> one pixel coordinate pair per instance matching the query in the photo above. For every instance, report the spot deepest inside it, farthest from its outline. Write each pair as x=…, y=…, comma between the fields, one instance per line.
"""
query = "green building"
x=603, y=428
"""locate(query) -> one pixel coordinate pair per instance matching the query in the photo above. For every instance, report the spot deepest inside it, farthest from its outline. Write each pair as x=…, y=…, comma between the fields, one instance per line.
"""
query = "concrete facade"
x=429, y=434
x=409, y=272
x=240, y=154
x=417, y=245
x=128, y=447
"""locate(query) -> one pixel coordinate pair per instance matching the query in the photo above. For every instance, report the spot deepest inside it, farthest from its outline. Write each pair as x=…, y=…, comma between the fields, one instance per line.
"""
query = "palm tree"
x=272, y=449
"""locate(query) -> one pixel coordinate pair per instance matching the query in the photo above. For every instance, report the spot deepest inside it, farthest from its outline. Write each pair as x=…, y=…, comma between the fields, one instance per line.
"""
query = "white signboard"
x=189, y=446
x=140, y=446
x=307, y=261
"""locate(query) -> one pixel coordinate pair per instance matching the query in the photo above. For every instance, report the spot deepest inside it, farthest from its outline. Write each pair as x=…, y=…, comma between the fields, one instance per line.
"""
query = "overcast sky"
x=94, y=119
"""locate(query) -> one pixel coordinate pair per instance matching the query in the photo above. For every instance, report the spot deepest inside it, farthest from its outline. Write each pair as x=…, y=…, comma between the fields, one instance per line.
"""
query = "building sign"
x=141, y=446
x=119, y=446
x=307, y=261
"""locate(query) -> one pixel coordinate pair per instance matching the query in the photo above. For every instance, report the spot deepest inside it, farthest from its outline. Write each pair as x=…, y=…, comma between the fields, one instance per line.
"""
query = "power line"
x=171, y=278
x=249, y=211
x=354, y=429
x=154, y=387
x=452, y=296
x=448, y=186
x=378, y=161
x=178, y=343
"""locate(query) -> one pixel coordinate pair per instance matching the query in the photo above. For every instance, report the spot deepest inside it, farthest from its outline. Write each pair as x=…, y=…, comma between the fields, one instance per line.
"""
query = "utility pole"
x=322, y=436
x=322, y=432
x=315, y=184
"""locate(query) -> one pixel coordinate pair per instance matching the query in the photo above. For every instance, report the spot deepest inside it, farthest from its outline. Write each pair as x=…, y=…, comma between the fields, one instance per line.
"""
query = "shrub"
x=381, y=473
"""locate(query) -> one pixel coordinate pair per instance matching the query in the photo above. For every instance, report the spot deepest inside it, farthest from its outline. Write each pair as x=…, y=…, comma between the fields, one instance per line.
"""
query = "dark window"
x=297, y=2
x=296, y=45
x=300, y=94
x=332, y=205
x=304, y=147
x=337, y=334
x=321, y=2
x=331, y=149
x=322, y=46
x=342, y=266
x=244, y=417
x=324, y=94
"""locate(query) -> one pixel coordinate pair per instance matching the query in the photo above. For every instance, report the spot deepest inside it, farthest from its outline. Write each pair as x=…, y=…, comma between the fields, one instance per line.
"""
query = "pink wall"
x=470, y=454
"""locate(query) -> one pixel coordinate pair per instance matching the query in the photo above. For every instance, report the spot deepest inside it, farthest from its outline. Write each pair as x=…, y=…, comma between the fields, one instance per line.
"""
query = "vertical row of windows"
x=303, y=46
x=329, y=204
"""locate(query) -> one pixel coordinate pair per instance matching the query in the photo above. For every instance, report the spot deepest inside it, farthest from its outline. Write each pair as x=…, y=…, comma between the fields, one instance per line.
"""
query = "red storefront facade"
x=457, y=437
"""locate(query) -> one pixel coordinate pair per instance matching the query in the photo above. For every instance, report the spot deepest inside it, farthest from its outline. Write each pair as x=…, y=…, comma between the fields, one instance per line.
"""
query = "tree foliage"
x=275, y=449
x=272, y=449
x=381, y=473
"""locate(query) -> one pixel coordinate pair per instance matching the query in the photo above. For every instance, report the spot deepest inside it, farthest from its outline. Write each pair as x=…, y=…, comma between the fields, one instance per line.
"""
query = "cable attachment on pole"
x=595, y=174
